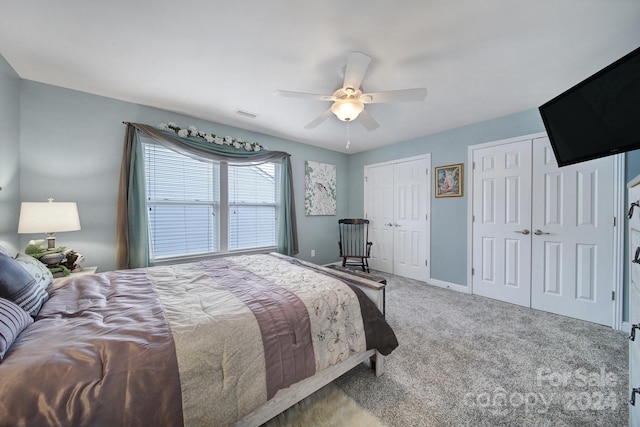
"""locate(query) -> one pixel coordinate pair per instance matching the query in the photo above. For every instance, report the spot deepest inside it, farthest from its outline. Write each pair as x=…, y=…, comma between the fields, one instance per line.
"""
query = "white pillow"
x=4, y=251
x=36, y=269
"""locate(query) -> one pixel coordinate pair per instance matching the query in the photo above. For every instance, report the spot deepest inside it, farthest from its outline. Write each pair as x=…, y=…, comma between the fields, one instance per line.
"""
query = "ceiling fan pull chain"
x=348, y=134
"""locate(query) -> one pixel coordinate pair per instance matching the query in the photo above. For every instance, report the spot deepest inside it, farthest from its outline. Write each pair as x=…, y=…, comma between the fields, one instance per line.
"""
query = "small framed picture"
x=449, y=180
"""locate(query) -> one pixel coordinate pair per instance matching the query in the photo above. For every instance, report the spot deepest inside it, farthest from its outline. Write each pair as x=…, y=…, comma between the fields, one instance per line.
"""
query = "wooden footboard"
x=288, y=397
x=374, y=290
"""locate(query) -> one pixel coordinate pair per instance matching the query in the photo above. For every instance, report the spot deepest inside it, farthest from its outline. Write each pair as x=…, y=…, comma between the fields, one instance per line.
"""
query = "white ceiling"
x=211, y=58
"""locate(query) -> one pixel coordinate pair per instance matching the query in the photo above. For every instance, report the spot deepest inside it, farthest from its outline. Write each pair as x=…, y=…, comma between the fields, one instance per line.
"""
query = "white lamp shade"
x=347, y=109
x=48, y=217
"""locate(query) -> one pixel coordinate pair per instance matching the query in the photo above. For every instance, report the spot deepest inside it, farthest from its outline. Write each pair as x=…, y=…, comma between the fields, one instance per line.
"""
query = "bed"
x=227, y=341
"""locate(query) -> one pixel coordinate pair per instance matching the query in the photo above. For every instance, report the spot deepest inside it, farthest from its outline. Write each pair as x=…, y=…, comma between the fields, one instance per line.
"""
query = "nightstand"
x=84, y=271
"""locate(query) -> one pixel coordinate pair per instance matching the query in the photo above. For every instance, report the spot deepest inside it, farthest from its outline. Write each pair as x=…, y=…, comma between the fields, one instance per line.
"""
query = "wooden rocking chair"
x=354, y=243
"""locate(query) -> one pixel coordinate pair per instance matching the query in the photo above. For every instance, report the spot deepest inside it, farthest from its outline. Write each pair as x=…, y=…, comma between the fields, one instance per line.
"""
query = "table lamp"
x=48, y=217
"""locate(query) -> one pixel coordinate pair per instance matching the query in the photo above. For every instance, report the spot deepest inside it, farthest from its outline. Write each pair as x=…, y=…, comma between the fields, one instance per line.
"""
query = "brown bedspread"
x=200, y=344
x=100, y=353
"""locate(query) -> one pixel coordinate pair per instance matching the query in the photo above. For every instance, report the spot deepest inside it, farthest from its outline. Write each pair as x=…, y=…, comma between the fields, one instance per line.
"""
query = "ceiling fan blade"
x=289, y=94
x=357, y=64
x=403, y=95
x=367, y=121
x=321, y=118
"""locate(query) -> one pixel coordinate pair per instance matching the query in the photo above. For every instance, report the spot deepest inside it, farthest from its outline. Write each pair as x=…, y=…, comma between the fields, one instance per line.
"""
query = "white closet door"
x=379, y=211
x=502, y=222
x=572, y=239
x=397, y=204
x=411, y=231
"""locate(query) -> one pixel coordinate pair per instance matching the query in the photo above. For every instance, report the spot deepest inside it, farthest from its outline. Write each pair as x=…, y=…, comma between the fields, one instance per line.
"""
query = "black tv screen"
x=597, y=117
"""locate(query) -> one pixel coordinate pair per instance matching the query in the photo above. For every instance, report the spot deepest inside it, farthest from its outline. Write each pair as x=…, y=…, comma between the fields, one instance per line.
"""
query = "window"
x=200, y=206
x=252, y=206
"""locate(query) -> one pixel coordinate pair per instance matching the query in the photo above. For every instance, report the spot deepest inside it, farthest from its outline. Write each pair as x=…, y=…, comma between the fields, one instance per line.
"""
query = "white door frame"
x=618, y=214
x=619, y=208
x=429, y=176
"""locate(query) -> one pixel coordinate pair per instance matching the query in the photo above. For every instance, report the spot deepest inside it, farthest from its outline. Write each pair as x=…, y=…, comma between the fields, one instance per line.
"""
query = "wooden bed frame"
x=288, y=397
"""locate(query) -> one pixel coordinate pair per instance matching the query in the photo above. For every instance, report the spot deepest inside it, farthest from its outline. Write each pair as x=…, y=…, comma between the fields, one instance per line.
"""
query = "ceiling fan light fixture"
x=347, y=109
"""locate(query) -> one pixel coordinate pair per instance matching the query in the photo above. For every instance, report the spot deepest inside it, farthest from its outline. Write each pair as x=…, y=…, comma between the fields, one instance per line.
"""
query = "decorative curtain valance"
x=132, y=228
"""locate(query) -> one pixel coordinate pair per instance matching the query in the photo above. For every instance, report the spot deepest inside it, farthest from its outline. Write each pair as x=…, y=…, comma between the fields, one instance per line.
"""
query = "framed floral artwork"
x=320, y=189
x=449, y=180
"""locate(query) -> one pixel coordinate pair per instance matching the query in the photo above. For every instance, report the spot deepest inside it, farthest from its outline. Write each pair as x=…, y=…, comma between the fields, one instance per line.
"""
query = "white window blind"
x=184, y=204
x=183, y=201
x=253, y=205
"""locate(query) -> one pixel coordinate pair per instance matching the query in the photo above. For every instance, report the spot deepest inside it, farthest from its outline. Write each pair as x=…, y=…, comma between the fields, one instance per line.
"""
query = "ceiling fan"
x=349, y=100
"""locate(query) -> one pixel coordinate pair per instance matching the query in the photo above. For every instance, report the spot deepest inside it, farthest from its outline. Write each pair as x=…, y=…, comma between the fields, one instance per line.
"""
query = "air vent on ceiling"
x=247, y=114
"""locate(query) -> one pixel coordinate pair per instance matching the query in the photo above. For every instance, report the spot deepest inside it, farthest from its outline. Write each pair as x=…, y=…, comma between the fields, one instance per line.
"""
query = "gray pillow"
x=18, y=286
x=36, y=269
x=13, y=320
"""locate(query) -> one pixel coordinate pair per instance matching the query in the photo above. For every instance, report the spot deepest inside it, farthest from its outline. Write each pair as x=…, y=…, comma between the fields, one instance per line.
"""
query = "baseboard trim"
x=448, y=285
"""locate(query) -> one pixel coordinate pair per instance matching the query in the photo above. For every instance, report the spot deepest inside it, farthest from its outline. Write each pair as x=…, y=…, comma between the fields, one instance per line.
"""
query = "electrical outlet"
x=313, y=252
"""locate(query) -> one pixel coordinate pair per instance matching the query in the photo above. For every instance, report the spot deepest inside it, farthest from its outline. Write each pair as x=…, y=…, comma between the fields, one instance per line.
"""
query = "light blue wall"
x=67, y=145
x=448, y=215
x=71, y=147
x=9, y=156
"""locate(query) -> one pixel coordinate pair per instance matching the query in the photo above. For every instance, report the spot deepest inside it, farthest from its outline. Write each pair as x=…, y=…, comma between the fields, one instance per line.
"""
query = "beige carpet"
x=328, y=407
x=465, y=360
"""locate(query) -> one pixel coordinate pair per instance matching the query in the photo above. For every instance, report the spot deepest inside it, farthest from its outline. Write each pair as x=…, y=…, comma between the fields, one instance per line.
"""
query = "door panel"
x=573, y=210
x=553, y=267
x=502, y=222
x=512, y=272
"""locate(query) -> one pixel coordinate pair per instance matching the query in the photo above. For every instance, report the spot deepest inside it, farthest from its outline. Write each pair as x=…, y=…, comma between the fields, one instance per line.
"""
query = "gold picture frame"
x=449, y=180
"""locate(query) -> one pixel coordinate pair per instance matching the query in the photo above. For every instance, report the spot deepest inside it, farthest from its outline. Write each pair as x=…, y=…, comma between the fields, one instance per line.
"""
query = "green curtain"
x=288, y=234
x=132, y=232
x=132, y=228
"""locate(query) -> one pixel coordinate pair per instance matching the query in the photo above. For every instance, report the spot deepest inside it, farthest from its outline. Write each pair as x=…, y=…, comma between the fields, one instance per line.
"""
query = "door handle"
x=539, y=232
x=636, y=258
x=632, y=334
x=633, y=205
x=525, y=231
x=397, y=225
x=633, y=395
x=389, y=224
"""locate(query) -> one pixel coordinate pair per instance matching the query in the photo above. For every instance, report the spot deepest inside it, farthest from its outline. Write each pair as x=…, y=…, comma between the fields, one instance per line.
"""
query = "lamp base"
x=51, y=241
x=52, y=260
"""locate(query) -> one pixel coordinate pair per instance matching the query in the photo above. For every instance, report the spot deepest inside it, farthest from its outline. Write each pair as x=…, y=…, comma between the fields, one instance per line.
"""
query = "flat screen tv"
x=597, y=117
